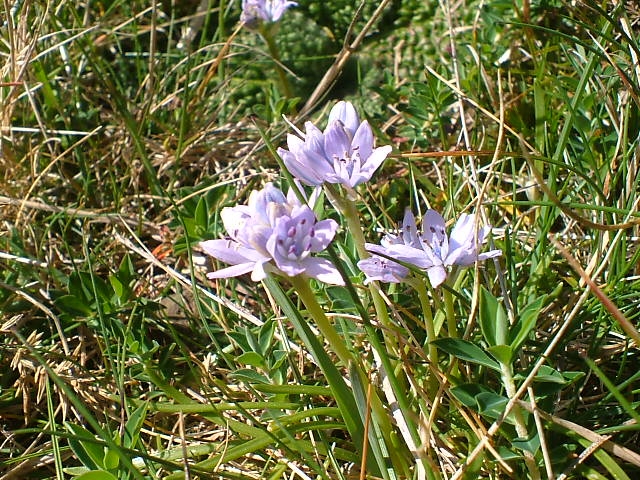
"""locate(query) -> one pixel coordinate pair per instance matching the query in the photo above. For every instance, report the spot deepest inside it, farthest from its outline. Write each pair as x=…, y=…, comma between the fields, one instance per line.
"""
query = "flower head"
x=273, y=229
x=382, y=269
x=433, y=250
x=255, y=11
x=343, y=153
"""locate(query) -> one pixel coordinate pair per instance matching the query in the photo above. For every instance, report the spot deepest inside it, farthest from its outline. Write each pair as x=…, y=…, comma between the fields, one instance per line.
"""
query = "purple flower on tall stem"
x=344, y=153
x=434, y=251
x=273, y=233
x=254, y=11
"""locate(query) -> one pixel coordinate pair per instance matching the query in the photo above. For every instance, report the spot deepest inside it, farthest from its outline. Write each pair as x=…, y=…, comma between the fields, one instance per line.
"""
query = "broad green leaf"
x=531, y=445
x=111, y=460
x=73, y=306
x=202, y=215
x=493, y=319
x=466, y=393
x=279, y=357
x=492, y=405
x=89, y=453
x=251, y=358
x=265, y=336
x=525, y=322
x=97, y=475
x=117, y=286
x=465, y=350
x=502, y=353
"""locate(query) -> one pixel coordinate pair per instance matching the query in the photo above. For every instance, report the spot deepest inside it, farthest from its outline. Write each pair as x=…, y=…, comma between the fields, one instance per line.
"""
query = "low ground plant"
x=271, y=239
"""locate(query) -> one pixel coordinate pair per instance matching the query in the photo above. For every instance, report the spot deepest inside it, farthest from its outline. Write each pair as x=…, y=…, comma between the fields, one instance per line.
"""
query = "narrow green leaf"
x=249, y=376
x=376, y=441
x=343, y=395
x=133, y=425
x=465, y=350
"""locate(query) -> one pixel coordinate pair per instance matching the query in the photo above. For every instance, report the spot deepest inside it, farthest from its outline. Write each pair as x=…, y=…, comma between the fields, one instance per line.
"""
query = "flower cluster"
x=277, y=233
x=432, y=251
x=273, y=233
x=344, y=153
x=255, y=11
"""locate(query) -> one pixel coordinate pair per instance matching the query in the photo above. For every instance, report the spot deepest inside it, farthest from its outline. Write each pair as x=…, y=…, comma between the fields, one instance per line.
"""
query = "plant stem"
x=521, y=428
x=301, y=284
x=452, y=326
x=267, y=35
x=420, y=287
x=350, y=212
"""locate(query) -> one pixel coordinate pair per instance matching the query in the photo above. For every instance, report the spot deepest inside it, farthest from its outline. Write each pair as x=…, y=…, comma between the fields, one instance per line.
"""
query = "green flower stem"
x=301, y=284
x=302, y=287
x=425, y=303
x=521, y=427
x=452, y=326
x=267, y=35
x=350, y=212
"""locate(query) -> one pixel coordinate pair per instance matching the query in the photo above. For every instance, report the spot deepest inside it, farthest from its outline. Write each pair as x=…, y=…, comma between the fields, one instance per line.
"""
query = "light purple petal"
x=235, y=218
x=257, y=236
x=471, y=257
x=323, y=233
x=464, y=232
x=382, y=269
x=420, y=258
x=345, y=113
x=323, y=270
x=433, y=227
x=314, y=139
x=437, y=275
x=410, y=230
x=362, y=142
x=371, y=164
x=337, y=143
x=229, y=252
x=259, y=272
x=233, y=271
x=299, y=170
x=489, y=254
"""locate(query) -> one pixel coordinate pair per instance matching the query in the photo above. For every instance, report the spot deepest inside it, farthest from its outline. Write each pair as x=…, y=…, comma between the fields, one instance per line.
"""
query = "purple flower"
x=254, y=11
x=382, y=269
x=343, y=153
x=434, y=251
x=270, y=229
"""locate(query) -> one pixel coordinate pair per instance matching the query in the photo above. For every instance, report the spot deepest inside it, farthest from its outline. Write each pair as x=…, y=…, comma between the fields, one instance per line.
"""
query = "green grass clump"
x=128, y=126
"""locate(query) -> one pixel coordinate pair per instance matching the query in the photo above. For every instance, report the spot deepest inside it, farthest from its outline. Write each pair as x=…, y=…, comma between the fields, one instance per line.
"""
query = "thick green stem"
x=267, y=35
x=301, y=284
x=521, y=427
x=420, y=287
x=452, y=326
x=350, y=212
x=425, y=303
